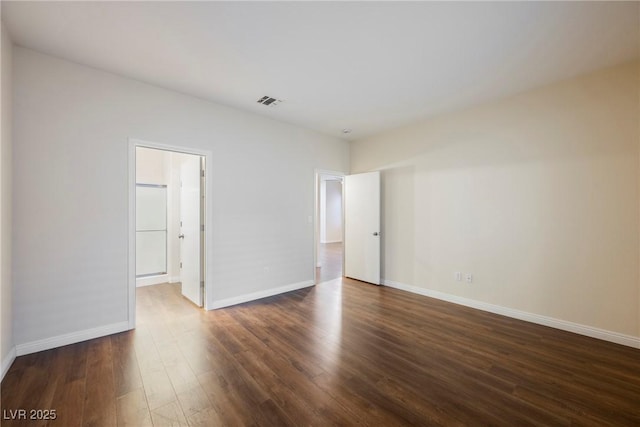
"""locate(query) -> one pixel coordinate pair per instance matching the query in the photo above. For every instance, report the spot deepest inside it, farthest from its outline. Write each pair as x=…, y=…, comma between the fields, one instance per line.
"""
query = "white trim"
x=261, y=294
x=7, y=362
x=72, y=338
x=174, y=279
x=564, y=325
x=330, y=173
x=152, y=280
x=131, y=248
x=331, y=241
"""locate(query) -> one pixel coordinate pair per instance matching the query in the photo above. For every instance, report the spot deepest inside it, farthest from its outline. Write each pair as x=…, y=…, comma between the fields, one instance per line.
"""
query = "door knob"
x=180, y=236
x=375, y=233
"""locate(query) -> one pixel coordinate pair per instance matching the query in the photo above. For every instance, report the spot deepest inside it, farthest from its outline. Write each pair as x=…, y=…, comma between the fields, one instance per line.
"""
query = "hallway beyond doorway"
x=330, y=262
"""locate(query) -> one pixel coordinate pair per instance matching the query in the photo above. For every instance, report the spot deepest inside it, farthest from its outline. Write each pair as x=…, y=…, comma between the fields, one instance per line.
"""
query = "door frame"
x=316, y=215
x=208, y=219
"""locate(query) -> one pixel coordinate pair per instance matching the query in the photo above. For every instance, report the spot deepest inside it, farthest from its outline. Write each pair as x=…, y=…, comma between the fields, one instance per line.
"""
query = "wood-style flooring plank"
x=69, y=398
x=100, y=396
x=340, y=353
x=330, y=260
x=169, y=415
x=132, y=409
x=125, y=365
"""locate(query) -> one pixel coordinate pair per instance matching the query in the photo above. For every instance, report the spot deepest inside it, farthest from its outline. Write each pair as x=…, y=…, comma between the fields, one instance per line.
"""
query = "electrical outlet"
x=458, y=276
x=469, y=278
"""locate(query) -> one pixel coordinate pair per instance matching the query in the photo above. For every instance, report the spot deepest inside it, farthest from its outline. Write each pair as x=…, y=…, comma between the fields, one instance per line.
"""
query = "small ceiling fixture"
x=346, y=131
x=268, y=100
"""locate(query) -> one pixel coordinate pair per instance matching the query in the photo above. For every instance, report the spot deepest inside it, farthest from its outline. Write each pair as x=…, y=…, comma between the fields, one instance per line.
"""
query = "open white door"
x=190, y=234
x=362, y=227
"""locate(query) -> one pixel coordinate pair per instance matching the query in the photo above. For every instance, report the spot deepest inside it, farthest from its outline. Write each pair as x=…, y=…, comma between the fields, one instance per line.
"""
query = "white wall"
x=6, y=292
x=331, y=214
x=536, y=195
x=323, y=211
x=152, y=166
x=330, y=209
x=71, y=127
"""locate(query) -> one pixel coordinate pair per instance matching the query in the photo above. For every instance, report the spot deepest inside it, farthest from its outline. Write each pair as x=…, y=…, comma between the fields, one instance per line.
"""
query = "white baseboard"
x=564, y=325
x=152, y=280
x=174, y=279
x=7, y=361
x=71, y=338
x=331, y=241
x=259, y=295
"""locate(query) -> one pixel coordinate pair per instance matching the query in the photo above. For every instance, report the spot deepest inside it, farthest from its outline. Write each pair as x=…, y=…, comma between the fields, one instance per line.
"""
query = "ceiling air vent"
x=267, y=100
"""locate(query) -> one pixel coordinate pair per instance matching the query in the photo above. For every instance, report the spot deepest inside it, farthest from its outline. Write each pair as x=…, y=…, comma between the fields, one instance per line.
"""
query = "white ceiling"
x=367, y=66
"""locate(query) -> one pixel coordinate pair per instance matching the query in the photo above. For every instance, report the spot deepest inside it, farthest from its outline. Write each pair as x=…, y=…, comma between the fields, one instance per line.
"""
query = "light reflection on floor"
x=330, y=261
x=328, y=316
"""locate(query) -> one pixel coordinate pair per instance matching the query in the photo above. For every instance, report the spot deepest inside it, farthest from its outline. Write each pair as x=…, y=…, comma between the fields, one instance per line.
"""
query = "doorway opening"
x=329, y=242
x=167, y=221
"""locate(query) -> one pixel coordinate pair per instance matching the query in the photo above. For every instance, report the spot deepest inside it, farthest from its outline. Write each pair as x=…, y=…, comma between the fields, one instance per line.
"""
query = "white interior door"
x=362, y=227
x=190, y=235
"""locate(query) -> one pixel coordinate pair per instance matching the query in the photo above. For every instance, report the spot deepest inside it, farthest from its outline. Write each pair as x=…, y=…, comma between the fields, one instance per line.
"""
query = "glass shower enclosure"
x=151, y=230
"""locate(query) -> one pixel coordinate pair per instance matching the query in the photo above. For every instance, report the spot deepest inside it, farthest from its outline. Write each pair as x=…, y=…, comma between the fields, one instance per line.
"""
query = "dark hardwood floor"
x=341, y=353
